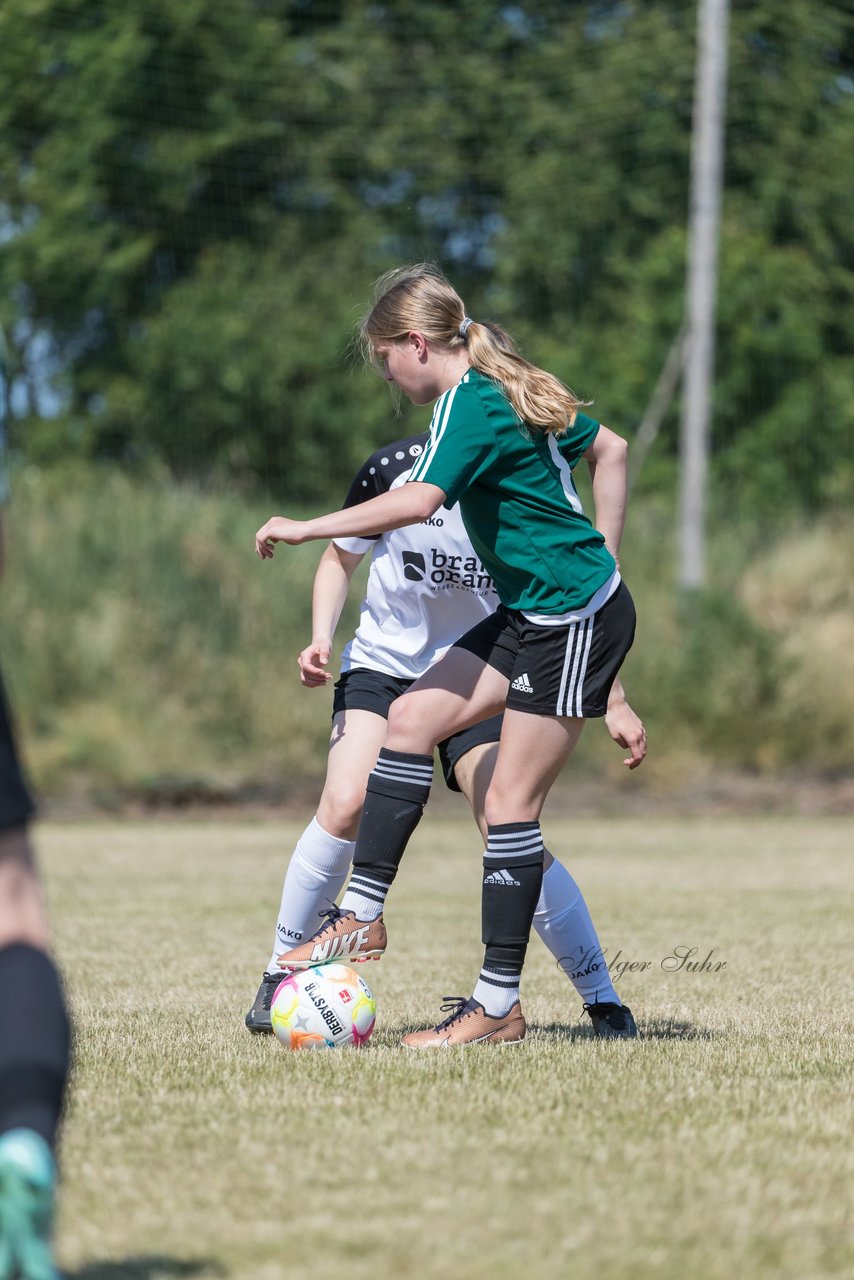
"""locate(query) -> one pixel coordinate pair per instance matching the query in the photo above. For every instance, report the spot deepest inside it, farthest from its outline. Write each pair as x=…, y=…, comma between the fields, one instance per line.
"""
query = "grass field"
x=718, y=1146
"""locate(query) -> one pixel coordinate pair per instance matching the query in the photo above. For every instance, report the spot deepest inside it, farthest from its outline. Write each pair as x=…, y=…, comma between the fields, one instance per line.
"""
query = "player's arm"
x=606, y=460
x=408, y=504
x=625, y=726
x=331, y=585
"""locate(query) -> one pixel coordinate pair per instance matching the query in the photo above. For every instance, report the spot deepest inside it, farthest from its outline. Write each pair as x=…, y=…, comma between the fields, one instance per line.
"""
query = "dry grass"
x=715, y=1147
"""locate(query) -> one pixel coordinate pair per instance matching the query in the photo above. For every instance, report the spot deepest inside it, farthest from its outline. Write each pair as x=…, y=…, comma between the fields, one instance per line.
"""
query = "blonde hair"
x=419, y=298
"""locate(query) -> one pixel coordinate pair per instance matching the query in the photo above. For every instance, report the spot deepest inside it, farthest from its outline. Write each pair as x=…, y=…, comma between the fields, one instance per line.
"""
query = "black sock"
x=398, y=789
x=34, y=1041
x=512, y=878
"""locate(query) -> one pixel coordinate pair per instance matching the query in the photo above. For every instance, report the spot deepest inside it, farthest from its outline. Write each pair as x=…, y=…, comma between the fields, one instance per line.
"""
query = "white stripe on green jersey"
x=517, y=499
x=438, y=422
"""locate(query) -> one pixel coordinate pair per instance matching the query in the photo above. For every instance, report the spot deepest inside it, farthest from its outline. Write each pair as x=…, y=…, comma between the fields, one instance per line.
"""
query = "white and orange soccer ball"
x=327, y=1007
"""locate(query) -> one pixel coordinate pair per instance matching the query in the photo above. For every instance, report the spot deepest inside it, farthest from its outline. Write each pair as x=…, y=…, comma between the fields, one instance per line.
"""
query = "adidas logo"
x=523, y=684
x=501, y=877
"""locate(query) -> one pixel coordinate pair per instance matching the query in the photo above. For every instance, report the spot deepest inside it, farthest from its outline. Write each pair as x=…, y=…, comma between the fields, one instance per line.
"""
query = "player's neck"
x=453, y=367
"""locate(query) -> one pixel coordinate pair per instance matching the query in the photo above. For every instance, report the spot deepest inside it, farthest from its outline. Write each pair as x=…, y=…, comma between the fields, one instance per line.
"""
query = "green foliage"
x=152, y=655
x=150, y=652
x=723, y=674
x=195, y=198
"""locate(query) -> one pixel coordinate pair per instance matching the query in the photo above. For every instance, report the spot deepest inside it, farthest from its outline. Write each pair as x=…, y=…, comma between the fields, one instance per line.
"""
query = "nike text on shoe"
x=343, y=937
x=469, y=1023
x=612, y=1021
x=27, y=1182
x=522, y=684
x=258, y=1017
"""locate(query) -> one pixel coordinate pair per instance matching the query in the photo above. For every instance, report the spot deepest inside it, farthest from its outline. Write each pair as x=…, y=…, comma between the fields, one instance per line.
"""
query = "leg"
x=562, y=921
x=561, y=918
x=34, y=1033
x=550, y=671
x=561, y=915
x=34, y=1051
x=33, y=1023
x=459, y=690
x=353, y=749
x=321, y=859
x=23, y=917
x=532, y=752
x=473, y=773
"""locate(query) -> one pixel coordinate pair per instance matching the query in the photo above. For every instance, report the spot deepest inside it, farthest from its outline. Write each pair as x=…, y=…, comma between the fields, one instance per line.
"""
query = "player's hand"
x=311, y=662
x=626, y=728
x=278, y=529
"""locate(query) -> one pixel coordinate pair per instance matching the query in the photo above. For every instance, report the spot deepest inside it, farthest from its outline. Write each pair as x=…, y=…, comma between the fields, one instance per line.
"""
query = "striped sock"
x=497, y=990
x=397, y=792
x=512, y=877
x=366, y=894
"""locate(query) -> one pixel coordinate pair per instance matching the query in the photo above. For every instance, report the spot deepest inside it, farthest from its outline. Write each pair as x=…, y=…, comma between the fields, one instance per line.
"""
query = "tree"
x=196, y=198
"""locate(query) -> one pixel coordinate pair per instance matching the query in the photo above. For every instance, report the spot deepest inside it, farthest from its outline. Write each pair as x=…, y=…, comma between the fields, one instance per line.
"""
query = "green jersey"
x=516, y=496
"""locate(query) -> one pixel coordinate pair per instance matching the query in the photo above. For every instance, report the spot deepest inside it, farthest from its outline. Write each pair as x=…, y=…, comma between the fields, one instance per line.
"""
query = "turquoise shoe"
x=27, y=1185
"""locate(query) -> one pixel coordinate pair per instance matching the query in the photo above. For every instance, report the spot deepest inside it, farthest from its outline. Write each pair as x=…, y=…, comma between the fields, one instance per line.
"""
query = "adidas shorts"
x=557, y=671
x=16, y=805
x=361, y=689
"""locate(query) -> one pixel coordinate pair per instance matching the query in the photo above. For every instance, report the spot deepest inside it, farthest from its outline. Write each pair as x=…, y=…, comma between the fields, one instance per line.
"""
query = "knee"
x=15, y=848
x=501, y=805
x=406, y=727
x=340, y=809
x=22, y=911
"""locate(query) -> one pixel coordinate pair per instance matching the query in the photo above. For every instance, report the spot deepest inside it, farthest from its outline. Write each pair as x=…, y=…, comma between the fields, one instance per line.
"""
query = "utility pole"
x=703, y=232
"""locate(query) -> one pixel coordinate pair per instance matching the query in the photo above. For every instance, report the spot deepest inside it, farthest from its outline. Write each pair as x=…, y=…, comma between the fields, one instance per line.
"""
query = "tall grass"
x=150, y=650
x=151, y=654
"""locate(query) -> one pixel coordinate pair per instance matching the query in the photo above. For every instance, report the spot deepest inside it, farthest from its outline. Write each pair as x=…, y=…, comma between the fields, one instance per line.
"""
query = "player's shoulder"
x=386, y=464
x=583, y=423
x=474, y=396
x=404, y=450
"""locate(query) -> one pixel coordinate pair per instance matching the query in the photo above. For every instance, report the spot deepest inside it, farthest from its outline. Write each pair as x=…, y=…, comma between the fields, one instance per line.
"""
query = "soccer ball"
x=327, y=1007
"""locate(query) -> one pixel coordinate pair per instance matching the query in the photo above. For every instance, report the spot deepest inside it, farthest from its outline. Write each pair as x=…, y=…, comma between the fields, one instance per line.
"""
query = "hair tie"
x=464, y=325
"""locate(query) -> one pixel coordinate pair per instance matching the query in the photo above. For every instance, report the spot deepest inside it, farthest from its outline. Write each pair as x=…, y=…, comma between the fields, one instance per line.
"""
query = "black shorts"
x=557, y=671
x=363, y=690
x=16, y=805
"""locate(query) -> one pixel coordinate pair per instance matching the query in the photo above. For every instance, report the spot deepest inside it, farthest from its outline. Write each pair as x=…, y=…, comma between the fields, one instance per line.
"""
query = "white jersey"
x=426, y=586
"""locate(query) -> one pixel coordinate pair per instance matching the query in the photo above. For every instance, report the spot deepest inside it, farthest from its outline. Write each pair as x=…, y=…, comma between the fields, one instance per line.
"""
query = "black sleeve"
x=365, y=484
x=380, y=471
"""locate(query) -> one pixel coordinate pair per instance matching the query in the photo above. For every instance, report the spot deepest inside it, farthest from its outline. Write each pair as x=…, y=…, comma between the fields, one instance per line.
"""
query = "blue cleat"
x=27, y=1186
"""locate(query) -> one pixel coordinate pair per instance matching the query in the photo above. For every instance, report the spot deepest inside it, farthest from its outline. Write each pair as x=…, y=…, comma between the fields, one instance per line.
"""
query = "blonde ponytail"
x=541, y=401
x=420, y=298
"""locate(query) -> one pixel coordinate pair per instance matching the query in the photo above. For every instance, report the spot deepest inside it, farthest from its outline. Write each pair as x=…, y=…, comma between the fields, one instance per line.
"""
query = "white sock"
x=316, y=872
x=365, y=896
x=497, y=992
x=564, y=924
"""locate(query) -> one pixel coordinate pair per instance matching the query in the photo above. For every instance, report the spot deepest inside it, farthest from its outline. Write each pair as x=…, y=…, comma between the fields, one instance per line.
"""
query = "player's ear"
x=418, y=343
